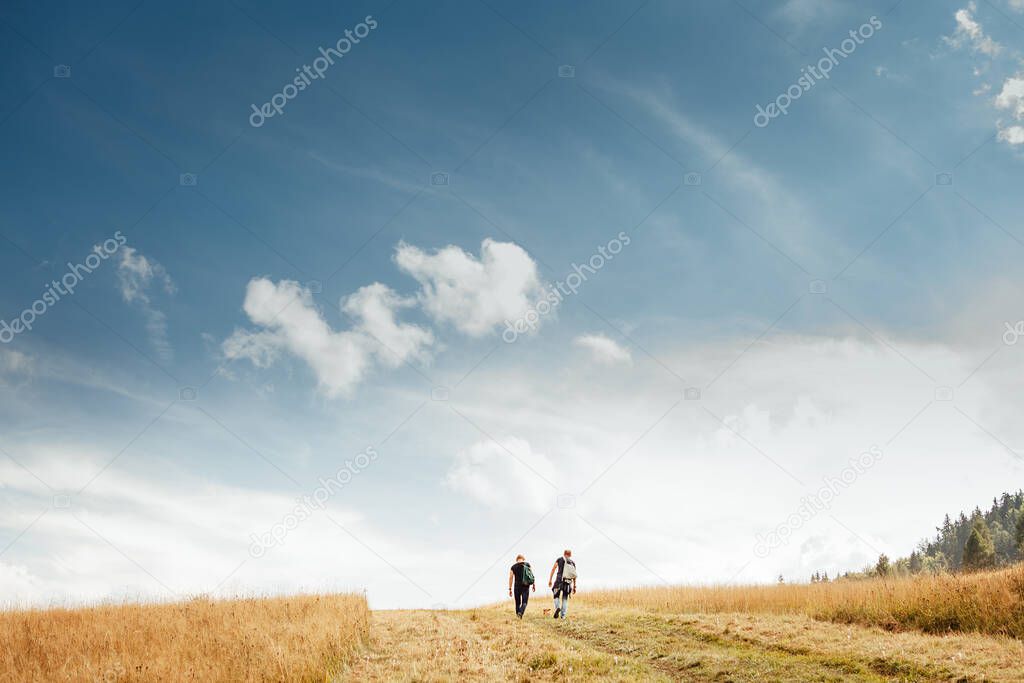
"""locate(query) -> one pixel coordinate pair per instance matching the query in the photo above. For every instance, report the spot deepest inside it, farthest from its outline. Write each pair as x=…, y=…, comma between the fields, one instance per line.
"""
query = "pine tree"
x=1020, y=533
x=882, y=566
x=946, y=528
x=915, y=562
x=979, y=551
x=944, y=552
x=962, y=529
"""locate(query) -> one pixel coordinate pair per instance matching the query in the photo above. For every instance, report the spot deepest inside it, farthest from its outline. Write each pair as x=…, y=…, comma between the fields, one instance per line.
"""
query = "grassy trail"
x=482, y=645
x=601, y=644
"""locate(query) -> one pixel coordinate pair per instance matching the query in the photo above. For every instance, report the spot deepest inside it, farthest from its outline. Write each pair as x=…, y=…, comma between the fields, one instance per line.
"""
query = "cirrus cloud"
x=135, y=274
x=604, y=349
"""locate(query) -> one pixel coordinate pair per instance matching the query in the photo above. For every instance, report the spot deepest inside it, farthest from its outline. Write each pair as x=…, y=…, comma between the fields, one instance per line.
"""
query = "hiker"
x=565, y=582
x=520, y=581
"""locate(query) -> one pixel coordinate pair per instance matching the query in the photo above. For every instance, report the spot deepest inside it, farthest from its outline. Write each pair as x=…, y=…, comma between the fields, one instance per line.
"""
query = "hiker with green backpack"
x=520, y=582
x=564, y=584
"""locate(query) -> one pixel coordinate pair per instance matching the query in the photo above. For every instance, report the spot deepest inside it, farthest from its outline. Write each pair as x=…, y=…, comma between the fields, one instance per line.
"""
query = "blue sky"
x=290, y=295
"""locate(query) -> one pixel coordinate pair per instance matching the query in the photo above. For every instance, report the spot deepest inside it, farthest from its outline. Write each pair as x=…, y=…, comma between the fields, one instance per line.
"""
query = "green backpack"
x=528, y=579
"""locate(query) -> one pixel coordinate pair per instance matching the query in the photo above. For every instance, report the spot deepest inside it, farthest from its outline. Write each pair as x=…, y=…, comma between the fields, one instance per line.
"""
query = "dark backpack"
x=528, y=578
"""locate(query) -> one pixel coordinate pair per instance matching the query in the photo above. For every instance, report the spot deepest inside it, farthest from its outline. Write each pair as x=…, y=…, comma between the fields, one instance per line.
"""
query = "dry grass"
x=989, y=602
x=618, y=645
x=971, y=657
x=487, y=644
x=299, y=638
x=787, y=647
x=738, y=633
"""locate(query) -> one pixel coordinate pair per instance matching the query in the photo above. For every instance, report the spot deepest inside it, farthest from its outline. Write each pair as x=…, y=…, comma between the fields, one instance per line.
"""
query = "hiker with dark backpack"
x=520, y=581
x=565, y=582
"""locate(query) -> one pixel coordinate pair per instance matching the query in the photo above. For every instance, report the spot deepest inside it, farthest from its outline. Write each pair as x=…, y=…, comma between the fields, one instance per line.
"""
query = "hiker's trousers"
x=522, y=595
x=562, y=590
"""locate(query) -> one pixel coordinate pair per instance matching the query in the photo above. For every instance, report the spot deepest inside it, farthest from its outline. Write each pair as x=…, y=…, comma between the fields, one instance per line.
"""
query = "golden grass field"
x=947, y=628
x=297, y=638
x=983, y=602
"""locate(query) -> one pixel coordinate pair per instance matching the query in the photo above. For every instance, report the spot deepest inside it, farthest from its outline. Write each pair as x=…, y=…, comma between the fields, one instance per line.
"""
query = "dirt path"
x=483, y=645
x=425, y=646
x=683, y=651
x=490, y=644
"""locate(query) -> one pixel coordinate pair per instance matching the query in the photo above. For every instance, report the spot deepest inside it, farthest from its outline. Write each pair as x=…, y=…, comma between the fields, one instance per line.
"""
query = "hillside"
x=923, y=628
x=617, y=644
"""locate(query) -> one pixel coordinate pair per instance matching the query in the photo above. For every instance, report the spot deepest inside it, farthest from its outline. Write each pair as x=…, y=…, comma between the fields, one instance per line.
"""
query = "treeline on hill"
x=984, y=540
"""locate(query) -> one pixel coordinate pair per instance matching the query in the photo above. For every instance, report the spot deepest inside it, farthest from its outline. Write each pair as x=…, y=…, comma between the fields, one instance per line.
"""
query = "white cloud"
x=136, y=274
x=375, y=306
x=1012, y=96
x=970, y=32
x=678, y=491
x=290, y=321
x=473, y=294
x=807, y=402
x=1017, y=5
x=504, y=476
x=131, y=536
x=259, y=348
x=603, y=349
x=1012, y=135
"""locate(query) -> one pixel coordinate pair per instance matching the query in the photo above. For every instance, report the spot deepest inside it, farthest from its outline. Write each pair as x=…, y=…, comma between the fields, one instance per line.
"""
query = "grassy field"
x=984, y=602
x=628, y=644
x=960, y=629
x=260, y=639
